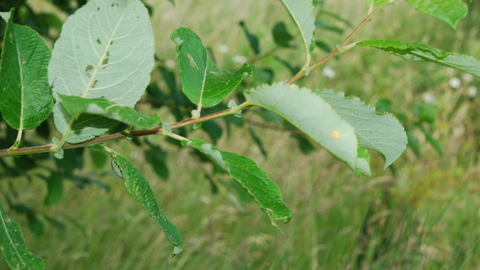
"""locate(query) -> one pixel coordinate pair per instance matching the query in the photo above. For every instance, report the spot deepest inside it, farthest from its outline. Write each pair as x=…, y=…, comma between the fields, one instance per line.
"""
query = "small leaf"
x=202, y=82
x=421, y=52
x=258, y=142
x=414, y=144
x=13, y=247
x=310, y=113
x=157, y=158
x=105, y=50
x=450, y=11
x=254, y=180
x=382, y=133
x=301, y=11
x=252, y=39
x=139, y=188
x=76, y=106
x=55, y=189
x=377, y=3
x=25, y=96
x=281, y=36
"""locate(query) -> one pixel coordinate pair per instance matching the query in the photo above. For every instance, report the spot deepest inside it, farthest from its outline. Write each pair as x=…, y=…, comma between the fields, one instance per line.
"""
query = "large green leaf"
x=380, y=132
x=253, y=179
x=139, y=188
x=105, y=50
x=25, y=96
x=311, y=114
x=75, y=106
x=202, y=82
x=421, y=52
x=450, y=11
x=301, y=11
x=13, y=247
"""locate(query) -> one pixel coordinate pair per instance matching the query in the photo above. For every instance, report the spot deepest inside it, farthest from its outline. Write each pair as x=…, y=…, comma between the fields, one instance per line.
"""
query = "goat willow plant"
x=100, y=67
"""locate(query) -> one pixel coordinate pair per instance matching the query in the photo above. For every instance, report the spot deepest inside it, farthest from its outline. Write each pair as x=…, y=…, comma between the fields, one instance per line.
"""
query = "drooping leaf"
x=55, y=189
x=252, y=39
x=202, y=82
x=258, y=142
x=105, y=50
x=281, y=36
x=310, y=113
x=301, y=11
x=450, y=11
x=157, y=158
x=382, y=133
x=76, y=106
x=421, y=52
x=139, y=188
x=248, y=175
x=213, y=130
x=25, y=96
x=13, y=247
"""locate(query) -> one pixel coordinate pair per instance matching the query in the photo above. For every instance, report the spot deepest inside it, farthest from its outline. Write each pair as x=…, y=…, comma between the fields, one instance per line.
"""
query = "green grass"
x=424, y=217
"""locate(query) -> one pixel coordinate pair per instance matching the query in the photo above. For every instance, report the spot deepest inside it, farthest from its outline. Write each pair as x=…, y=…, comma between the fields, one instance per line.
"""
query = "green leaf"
x=421, y=52
x=139, y=188
x=13, y=247
x=253, y=179
x=25, y=96
x=202, y=82
x=157, y=158
x=252, y=39
x=310, y=113
x=281, y=36
x=258, y=142
x=414, y=144
x=301, y=11
x=380, y=132
x=55, y=189
x=76, y=106
x=450, y=11
x=105, y=50
x=377, y=3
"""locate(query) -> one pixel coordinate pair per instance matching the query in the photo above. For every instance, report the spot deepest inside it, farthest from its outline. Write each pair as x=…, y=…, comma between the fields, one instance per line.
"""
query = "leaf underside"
x=311, y=114
x=301, y=11
x=105, y=50
x=382, y=133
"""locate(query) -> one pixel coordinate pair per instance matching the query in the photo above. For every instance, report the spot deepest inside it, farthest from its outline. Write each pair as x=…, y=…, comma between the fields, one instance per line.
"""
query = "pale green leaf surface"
x=25, y=96
x=105, y=50
x=86, y=126
x=450, y=11
x=421, y=52
x=382, y=133
x=253, y=179
x=202, y=82
x=310, y=113
x=139, y=188
x=13, y=247
x=302, y=13
x=75, y=106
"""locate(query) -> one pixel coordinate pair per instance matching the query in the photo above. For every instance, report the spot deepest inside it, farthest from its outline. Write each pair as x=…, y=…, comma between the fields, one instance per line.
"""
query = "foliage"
x=100, y=67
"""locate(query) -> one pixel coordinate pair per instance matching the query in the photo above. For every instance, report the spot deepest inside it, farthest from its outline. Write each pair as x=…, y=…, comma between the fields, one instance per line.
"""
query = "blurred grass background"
x=425, y=216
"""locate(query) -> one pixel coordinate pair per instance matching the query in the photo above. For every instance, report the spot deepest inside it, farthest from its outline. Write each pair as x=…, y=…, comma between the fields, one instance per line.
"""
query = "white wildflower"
x=223, y=48
x=329, y=72
x=454, y=82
